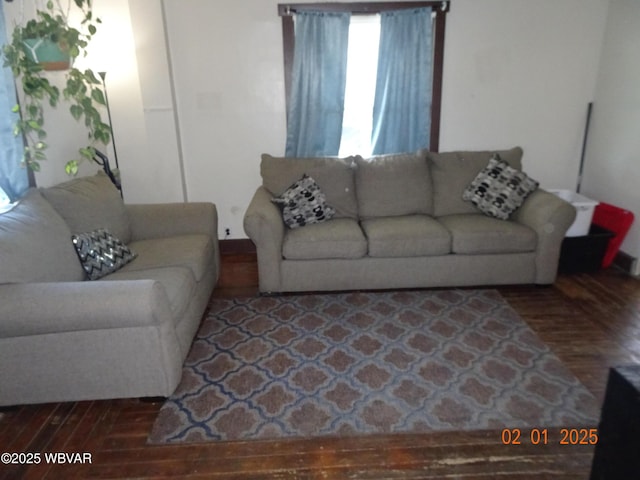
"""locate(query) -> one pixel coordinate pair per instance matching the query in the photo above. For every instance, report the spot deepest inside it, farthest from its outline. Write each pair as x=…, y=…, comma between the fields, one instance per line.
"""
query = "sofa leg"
x=153, y=399
x=9, y=408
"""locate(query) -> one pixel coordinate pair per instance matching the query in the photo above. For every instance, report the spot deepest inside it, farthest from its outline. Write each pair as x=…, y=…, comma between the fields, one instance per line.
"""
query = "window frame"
x=440, y=8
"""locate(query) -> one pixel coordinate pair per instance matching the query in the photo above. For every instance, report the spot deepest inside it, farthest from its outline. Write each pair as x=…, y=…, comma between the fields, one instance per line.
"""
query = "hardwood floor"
x=591, y=321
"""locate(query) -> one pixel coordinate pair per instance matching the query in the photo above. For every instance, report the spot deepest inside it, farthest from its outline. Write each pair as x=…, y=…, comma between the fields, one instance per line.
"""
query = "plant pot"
x=47, y=53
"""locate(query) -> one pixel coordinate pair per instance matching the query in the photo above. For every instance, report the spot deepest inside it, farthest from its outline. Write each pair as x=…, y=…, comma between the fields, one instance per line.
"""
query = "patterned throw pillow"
x=499, y=189
x=303, y=203
x=101, y=253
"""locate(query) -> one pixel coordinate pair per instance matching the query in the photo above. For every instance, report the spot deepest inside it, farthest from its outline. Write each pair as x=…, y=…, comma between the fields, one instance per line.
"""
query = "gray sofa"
x=65, y=338
x=401, y=222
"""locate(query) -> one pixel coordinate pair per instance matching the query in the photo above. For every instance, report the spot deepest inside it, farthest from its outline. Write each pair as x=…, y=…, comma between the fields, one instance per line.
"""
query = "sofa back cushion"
x=393, y=185
x=452, y=172
x=335, y=177
x=35, y=244
x=90, y=203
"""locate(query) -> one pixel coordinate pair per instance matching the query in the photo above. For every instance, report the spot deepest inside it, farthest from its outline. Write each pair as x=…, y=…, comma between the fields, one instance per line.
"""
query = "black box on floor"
x=616, y=453
x=585, y=253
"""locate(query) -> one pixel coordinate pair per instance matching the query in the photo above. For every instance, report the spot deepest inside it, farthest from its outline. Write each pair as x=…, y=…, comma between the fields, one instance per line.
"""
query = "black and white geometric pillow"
x=303, y=203
x=101, y=253
x=499, y=189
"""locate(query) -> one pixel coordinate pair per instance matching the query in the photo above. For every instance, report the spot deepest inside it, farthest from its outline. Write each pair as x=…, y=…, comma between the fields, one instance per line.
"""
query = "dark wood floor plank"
x=590, y=321
x=464, y=460
x=18, y=427
x=57, y=442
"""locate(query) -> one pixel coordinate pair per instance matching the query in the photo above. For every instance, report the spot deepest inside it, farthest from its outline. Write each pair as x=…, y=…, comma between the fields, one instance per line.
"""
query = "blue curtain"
x=14, y=178
x=402, y=105
x=318, y=82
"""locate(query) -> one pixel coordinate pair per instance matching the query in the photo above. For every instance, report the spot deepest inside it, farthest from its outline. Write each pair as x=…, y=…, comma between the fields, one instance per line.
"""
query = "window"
x=364, y=31
x=362, y=63
x=14, y=179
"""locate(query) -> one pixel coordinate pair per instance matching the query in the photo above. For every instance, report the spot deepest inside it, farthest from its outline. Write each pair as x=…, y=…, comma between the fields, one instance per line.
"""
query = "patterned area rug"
x=359, y=363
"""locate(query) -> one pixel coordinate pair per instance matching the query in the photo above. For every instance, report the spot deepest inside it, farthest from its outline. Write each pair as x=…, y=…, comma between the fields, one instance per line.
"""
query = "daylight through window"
x=362, y=63
x=385, y=112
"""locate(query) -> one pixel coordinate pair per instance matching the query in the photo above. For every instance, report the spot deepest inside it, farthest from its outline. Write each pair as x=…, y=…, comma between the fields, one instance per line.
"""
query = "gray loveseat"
x=65, y=338
x=401, y=222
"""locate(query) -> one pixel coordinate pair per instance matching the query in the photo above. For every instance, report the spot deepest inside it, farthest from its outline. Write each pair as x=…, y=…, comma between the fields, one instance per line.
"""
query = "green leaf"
x=82, y=89
x=103, y=135
x=88, y=152
x=91, y=76
x=98, y=96
x=71, y=168
x=76, y=111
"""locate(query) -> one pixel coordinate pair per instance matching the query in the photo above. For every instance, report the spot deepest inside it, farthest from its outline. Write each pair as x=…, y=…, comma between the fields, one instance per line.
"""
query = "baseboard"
x=625, y=262
x=237, y=246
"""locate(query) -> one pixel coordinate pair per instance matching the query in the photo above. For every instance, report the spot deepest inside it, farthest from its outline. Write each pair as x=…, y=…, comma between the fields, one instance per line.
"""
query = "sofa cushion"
x=393, y=185
x=335, y=176
x=35, y=244
x=406, y=236
x=499, y=190
x=452, y=172
x=336, y=238
x=90, y=203
x=101, y=253
x=178, y=283
x=478, y=234
x=191, y=251
x=304, y=203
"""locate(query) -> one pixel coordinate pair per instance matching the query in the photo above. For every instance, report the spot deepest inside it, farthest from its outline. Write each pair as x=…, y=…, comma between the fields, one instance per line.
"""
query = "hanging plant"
x=82, y=88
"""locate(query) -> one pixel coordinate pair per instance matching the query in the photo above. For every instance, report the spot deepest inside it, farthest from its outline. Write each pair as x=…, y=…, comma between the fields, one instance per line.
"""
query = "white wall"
x=521, y=72
x=516, y=72
x=163, y=178
x=228, y=71
x=612, y=163
x=113, y=51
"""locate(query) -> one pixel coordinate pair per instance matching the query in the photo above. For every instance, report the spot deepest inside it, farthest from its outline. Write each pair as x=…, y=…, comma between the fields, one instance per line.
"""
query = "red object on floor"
x=618, y=221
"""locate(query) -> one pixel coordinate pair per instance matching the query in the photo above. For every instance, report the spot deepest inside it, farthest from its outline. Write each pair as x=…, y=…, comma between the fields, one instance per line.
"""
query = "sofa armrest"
x=550, y=217
x=264, y=226
x=170, y=219
x=44, y=308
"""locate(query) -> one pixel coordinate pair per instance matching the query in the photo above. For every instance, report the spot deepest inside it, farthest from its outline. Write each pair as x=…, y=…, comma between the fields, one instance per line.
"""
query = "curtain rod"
x=358, y=8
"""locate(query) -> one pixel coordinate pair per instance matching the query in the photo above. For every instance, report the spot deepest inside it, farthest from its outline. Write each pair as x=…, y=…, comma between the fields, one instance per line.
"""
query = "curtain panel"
x=318, y=80
x=14, y=179
x=402, y=105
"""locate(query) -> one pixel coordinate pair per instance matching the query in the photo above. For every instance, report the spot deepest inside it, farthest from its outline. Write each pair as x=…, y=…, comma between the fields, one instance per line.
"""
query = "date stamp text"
x=547, y=436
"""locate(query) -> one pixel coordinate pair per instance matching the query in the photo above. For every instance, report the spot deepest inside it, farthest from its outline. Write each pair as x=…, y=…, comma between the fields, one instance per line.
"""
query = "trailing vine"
x=82, y=88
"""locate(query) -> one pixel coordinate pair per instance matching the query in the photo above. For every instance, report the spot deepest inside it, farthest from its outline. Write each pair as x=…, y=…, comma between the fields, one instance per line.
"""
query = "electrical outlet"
x=227, y=232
